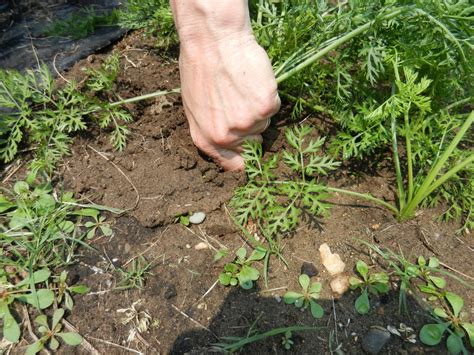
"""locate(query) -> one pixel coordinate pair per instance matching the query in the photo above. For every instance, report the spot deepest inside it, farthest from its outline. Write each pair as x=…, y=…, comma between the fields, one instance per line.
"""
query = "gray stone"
x=309, y=269
x=197, y=218
x=375, y=339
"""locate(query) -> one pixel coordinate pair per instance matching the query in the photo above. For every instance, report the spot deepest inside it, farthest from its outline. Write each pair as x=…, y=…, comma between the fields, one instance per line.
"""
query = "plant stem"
x=396, y=162
x=351, y=193
x=145, y=97
x=368, y=197
x=429, y=183
x=409, y=155
x=312, y=59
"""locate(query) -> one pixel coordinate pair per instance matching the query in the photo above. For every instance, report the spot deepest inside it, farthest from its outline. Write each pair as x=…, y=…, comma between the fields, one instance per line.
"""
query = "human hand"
x=227, y=83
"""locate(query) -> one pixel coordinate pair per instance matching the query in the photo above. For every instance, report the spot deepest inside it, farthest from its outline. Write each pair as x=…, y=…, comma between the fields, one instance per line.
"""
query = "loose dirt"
x=161, y=175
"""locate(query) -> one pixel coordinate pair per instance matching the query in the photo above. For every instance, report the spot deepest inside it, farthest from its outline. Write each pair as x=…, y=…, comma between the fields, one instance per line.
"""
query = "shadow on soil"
x=340, y=331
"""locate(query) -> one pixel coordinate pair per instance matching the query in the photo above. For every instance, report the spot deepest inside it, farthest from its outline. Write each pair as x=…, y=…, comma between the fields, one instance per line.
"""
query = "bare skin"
x=227, y=82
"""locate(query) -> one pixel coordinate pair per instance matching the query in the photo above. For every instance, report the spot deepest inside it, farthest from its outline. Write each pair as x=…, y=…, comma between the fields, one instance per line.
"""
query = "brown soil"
x=191, y=311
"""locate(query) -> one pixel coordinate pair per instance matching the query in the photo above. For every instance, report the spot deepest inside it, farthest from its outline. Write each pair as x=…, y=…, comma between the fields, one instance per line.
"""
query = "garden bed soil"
x=161, y=175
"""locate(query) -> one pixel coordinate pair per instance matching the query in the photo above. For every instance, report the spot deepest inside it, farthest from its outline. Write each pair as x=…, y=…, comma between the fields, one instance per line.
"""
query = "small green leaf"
x=440, y=313
x=54, y=343
x=315, y=288
x=355, y=282
x=5, y=204
x=248, y=273
x=21, y=187
x=438, y=281
x=41, y=299
x=68, y=301
x=300, y=302
x=469, y=328
x=257, y=254
x=70, y=338
x=455, y=301
x=184, y=220
x=454, y=344
x=290, y=297
x=106, y=230
x=304, y=282
x=87, y=212
x=38, y=277
x=316, y=310
x=241, y=253
x=362, y=269
x=431, y=334
x=11, y=329
x=42, y=320
x=362, y=304
x=57, y=316
x=234, y=281
x=231, y=267
x=433, y=263
x=421, y=261
x=80, y=289
x=221, y=253
x=34, y=348
x=225, y=278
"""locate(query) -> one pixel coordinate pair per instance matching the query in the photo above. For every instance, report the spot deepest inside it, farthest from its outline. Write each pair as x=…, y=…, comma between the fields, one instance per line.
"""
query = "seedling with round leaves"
x=286, y=340
x=50, y=334
x=451, y=319
x=64, y=291
x=307, y=298
x=240, y=271
x=434, y=284
x=369, y=283
x=24, y=291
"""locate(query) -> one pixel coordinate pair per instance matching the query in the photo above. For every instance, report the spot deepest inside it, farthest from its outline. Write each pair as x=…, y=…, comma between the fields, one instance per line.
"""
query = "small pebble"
x=201, y=246
x=188, y=246
x=309, y=269
x=278, y=298
x=197, y=218
x=375, y=339
x=340, y=284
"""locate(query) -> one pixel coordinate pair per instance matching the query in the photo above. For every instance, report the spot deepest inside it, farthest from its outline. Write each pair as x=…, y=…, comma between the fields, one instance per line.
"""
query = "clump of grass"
x=82, y=23
x=154, y=16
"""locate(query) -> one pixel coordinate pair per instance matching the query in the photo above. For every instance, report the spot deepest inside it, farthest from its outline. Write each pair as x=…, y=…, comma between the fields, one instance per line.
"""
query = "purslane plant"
x=308, y=298
x=451, y=319
x=369, y=283
x=240, y=271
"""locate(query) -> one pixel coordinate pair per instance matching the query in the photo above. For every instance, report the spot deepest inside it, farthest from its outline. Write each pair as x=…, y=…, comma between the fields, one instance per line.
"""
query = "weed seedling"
x=24, y=291
x=450, y=319
x=307, y=298
x=370, y=283
x=50, y=334
x=65, y=292
x=240, y=271
x=134, y=276
x=433, y=284
x=286, y=340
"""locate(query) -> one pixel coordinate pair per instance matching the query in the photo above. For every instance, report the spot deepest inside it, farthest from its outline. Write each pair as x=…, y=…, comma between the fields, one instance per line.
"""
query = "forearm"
x=204, y=21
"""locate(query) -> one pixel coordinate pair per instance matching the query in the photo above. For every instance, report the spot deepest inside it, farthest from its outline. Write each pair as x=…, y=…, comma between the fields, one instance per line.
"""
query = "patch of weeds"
x=307, y=298
x=51, y=334
x=240, y=271
x=40, y=227
x=24, y=291
x=64, y=292
x=154, y=16
x=134, y=276
x=369, y=283
x=81, y=23
x=37, y=113
x=450, y=319
x=231, y=344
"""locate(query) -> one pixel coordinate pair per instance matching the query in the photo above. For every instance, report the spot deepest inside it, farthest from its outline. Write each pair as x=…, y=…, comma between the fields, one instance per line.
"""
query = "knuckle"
x=268, y=105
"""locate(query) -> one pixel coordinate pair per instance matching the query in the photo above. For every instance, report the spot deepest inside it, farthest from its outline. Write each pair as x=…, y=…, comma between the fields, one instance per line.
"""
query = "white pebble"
x=197, y=218
x=201, y=246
